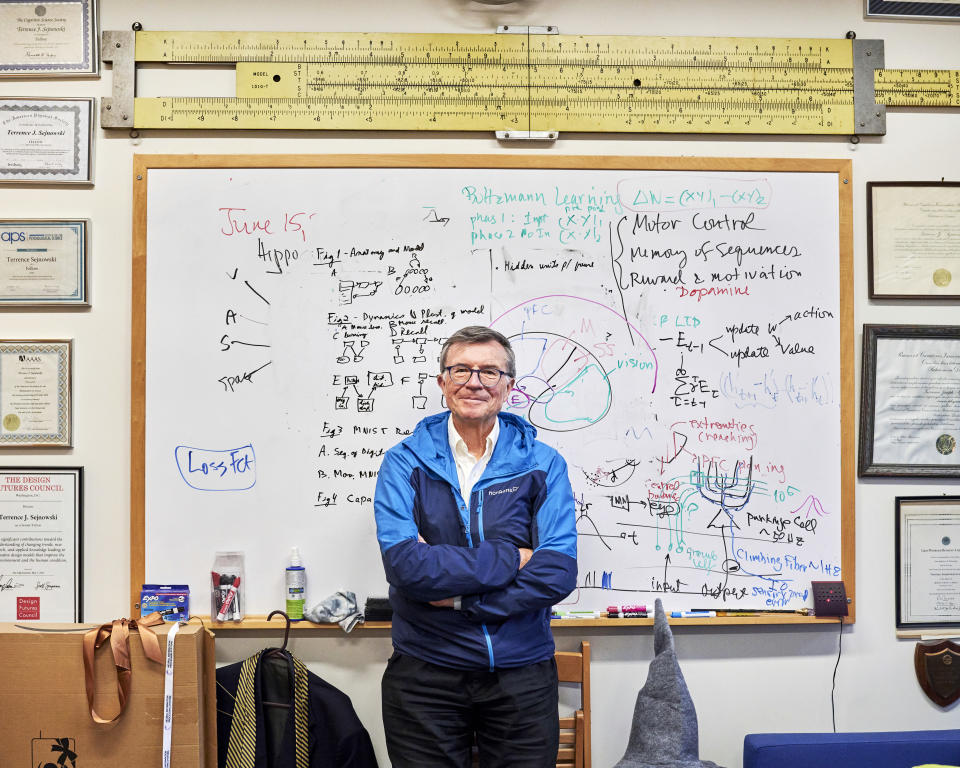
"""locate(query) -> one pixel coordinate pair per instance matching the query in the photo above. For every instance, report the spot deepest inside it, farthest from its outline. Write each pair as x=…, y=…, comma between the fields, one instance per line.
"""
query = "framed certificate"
x=928, y=561
x=46, y=141
x=935, y=10
x=43, y=262
x=910, y=401
x=35, y=394
x=41, y=544
x=913, y=239
x=55, y=39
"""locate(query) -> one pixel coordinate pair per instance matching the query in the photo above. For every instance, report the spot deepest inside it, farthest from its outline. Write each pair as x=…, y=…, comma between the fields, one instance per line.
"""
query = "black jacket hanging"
x=313, y=725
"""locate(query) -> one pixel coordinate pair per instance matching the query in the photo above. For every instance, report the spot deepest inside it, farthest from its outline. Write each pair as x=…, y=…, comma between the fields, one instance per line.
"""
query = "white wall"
x=742, y=680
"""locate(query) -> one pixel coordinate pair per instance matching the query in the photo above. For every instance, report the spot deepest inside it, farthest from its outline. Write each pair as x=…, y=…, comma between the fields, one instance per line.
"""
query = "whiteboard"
x=682, y=331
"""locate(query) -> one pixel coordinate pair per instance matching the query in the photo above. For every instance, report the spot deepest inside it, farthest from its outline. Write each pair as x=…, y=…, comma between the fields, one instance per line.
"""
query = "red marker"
x=228, y=600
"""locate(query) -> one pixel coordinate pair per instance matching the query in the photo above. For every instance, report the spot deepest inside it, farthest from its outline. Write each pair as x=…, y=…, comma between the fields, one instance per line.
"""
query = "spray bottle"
x=296, y=582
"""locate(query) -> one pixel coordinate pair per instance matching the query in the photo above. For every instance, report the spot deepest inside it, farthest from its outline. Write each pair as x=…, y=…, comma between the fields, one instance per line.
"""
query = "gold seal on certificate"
x=938, y=671
x=56, y=39
x=46, y=140
x=35, y=393
x=43, y=263
x=942, y=278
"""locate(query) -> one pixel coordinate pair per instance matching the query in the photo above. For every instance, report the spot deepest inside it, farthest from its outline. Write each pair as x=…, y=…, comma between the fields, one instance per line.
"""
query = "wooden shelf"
x=770, y=619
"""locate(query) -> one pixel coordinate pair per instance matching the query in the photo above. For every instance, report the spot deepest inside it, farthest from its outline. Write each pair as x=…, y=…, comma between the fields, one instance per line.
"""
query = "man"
x=477, y=529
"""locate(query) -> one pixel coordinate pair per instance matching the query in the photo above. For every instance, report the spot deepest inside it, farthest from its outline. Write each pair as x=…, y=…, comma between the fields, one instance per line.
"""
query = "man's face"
x=473, y=403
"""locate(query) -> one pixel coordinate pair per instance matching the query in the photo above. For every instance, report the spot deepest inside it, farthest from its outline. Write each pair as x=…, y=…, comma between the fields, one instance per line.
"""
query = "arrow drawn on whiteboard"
x=247, y=283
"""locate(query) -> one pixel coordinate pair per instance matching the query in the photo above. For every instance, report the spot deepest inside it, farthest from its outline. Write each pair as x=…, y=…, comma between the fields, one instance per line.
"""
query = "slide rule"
x=526, y=83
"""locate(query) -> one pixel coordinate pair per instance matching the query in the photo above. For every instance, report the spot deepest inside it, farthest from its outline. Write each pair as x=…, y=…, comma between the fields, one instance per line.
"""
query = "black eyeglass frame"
x=478, y=371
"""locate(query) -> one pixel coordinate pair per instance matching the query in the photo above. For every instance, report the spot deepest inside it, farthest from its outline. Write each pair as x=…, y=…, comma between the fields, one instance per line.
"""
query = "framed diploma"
x=928, y=561
x=56, y=39
x=35, y=394
x=43, y=263
x=41, y=544
x=913, y=239
x=910, y=401
x=46, y=141
x=934, y=10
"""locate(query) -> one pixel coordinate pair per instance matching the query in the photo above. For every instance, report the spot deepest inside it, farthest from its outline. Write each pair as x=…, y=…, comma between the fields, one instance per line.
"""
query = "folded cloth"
x=340, y=608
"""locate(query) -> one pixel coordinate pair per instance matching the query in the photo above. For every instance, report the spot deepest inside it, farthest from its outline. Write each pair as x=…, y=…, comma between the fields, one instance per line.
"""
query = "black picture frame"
x=904, y=567
x=868, y=466
x=77, y=538
x=904, y=10
x=877, y=213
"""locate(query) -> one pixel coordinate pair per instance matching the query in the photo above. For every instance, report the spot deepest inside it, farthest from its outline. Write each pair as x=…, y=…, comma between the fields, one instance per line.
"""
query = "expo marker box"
x=171, y=600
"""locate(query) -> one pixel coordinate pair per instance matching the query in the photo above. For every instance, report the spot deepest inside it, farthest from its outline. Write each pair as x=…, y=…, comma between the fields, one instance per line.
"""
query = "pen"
x=693, y=614
x=580, y=615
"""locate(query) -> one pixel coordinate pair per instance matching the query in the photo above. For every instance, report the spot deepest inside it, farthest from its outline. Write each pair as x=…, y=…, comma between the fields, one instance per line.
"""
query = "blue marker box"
x=171, y=600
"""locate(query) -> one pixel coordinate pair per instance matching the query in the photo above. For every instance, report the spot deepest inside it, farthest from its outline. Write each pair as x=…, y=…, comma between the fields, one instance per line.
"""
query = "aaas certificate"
x=43, y=263
x=47, y=39
x=40, y=535
x=45, y=140
x=35, y=393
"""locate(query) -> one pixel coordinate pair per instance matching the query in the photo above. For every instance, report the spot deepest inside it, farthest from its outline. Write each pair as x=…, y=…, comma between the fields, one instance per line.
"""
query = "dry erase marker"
x=228, y=599
x=581, y=615
x=693, y=614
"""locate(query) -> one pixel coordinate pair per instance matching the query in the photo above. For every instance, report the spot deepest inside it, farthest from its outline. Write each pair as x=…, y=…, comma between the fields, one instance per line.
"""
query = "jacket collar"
x=513, y=452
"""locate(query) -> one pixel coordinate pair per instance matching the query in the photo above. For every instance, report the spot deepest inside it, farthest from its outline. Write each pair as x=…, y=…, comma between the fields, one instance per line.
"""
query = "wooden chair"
x=574, y=667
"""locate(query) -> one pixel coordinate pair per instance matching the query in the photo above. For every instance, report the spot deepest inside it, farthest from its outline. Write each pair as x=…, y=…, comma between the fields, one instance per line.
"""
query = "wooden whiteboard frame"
x=143, y=164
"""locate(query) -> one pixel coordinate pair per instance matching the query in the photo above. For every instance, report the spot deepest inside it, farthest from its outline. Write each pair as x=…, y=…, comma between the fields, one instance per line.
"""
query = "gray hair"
x=480, y=334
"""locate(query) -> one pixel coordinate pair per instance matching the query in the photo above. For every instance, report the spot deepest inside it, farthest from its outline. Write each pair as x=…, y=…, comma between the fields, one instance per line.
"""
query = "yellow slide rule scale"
x=523, y=82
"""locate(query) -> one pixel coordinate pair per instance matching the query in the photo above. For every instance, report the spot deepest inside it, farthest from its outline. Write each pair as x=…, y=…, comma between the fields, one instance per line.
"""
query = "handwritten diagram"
x=676, y=334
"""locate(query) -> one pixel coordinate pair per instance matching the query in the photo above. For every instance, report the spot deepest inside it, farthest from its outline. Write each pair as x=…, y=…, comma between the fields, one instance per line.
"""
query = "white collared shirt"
x=470, y=468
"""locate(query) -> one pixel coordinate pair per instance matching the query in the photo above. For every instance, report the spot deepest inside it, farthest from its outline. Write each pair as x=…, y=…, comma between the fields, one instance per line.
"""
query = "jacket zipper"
x=483, y=626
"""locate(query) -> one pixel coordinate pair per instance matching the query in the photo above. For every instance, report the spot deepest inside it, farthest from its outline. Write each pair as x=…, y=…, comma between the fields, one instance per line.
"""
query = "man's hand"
x=525, y=555
x=447, y=602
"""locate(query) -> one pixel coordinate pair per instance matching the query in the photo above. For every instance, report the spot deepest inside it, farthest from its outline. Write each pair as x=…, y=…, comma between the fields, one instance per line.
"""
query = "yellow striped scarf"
x=241, y=748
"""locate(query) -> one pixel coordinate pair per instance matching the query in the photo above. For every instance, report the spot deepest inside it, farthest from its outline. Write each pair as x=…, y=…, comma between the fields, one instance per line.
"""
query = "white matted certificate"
x=910, y=412
x=46, y=140
x=43, y=263
x=928, y=560
x=41, y=514
x=913, y=239
x=48, y=39
x=35, y=393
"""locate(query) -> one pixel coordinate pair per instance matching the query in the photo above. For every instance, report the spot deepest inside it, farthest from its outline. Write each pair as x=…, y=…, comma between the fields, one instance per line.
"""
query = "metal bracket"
x=118, y=48
x=870, y=118
x=528, y=135
x=523, y=30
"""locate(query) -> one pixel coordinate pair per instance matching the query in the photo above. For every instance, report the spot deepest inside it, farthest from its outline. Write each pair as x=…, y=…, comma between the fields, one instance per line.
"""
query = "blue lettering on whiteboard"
x=207, y=470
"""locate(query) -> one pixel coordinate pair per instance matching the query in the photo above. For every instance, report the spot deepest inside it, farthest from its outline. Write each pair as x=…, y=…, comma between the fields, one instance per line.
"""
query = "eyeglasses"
x=488, y=377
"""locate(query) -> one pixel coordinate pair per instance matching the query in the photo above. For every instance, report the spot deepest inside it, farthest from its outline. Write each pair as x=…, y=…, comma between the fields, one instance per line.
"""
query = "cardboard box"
x=44, y=703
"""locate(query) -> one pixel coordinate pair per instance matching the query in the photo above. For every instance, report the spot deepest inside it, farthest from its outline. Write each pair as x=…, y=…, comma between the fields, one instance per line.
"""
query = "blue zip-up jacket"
x=523, y=499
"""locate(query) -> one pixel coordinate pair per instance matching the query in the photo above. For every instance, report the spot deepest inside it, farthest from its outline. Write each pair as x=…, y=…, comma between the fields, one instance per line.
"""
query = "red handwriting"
x=290, y=223
x=238, y=222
